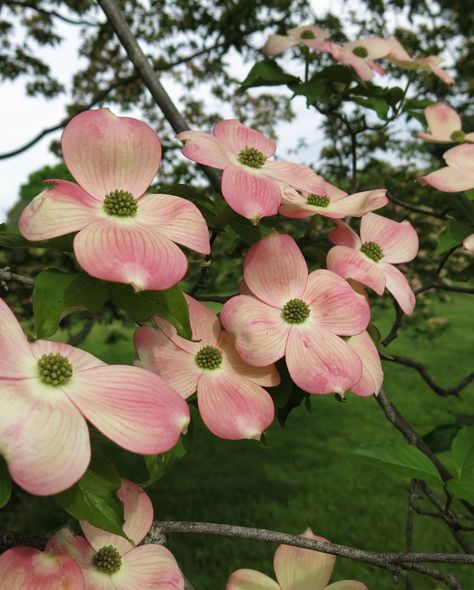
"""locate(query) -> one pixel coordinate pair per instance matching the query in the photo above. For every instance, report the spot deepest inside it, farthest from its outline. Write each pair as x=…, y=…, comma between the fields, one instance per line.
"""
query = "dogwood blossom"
x=300, y=316
x=400, y=57
x=308, y=35
x=110, y=562
x=370, y=258
x=361, y=55
x=124, y=234
x=371, y=380
x=445, y=125
x=251, y=183
x=295, y=569
x=48, y=389
x=458, y=175
x=232, y=403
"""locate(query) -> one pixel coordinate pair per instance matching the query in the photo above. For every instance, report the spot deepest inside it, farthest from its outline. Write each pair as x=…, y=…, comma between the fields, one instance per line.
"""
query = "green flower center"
x=209, y=358
x=372, y=250
x=458, y=136
x=120, y=204
x=295, y=311
x=107, y=560
x=360, y=51
x=307, y=34
x=317, y=201
x=54, y=369
x=252, y=157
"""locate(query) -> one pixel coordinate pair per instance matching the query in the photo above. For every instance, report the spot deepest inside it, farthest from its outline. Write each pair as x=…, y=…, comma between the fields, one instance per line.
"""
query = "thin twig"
x=421, y=210
x=66, y=19
x=409, y=529
x=6, y=275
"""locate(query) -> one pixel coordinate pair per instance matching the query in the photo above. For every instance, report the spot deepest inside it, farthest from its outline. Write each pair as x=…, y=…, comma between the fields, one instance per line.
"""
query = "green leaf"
x=169, y=305
x=94, y=497
x=286, y=396
x=57, y=294
x=10, y=239
x=5, y=483
x=463, y=452
x=248, y=232
x=452, y=235
x=266, y=73
x=440, y=438
x=400, y=458
x=465, y=275
x=394, y=95
x=462, y=489
x=158, y=465
x=379, y=105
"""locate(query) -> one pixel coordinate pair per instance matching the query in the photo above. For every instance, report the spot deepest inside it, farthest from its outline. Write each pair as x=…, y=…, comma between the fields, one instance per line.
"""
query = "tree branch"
x=32, y=6
x=6, y=275
x=421, y=210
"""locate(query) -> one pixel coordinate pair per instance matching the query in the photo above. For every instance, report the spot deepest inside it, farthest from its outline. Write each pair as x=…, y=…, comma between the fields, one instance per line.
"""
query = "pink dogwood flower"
x=400, y=57
x=371, y=379
x=295, y=569
x=49, y=389
x=251, y=183
x=297, y=315
x=124, y=234
x=361, y=55
x=309, y=35
x=24, y=568
x=232, y=403
x=335, y=204
x=370, y=258
x=444, y=125
x=110, y=562
x=458, y=175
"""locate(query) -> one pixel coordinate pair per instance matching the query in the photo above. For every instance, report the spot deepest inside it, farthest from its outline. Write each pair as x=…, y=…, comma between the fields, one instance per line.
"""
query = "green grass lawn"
x=307, y=476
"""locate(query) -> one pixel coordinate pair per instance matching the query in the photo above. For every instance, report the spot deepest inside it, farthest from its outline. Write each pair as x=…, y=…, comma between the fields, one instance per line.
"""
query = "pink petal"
x=58, y=211
x=319, y=34
x=398, y=52
x=157, y=353
x=399, y=241
x=347, y=585
x=148, y=566
x=277, y=44
x=106, y=153
x=343, y=235
x=468, y=244
x=399, y=288
x=372, y=375
x=131, y=406
x=295, y=205
x=346, y=56
x=129, y=254
x=15, y=352
x=275, y=269
x=260, y=332
x=80, y=360
x=296, y=175
x=204, y=148
x=177, y=219
x=449, y=180
x=357, y=204
x=65, y=542
x=469, y=137
x=204, y=323
x=376, y=46
x=266, y=376
x=335, y=306
x=442, y=121
x=24, y=568
x=350, y=264
x=303, y=569
x=236, y=137
x=250, y=194
x=43, y=437
x=232, y=407
x=320, y=362
x=250, y=580
x=138, y=514
x=461, y=156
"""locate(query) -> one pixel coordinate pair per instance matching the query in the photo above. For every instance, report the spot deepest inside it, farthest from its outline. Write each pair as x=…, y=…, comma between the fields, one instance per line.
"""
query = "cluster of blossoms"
x=360, y=54
x=99, y=560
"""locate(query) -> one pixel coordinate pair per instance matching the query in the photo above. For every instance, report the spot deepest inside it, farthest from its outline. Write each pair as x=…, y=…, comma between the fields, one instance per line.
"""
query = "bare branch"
x=421, y=210
x=6, y=275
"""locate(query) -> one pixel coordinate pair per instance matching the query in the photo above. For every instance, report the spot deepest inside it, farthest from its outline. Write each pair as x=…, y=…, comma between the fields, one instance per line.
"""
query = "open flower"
x=458, y=175
x=24, y=568
x=335, y=204
x=400, y=57
x=125, y=235
x=290, y=313
x=309, y=35
x=47, y=389
x=371, y=379
x=295, y=569
x=370, y=258
x=251, y=183
x=445, y=125
x=110, y=562
x=232, y=403
x=361, y=54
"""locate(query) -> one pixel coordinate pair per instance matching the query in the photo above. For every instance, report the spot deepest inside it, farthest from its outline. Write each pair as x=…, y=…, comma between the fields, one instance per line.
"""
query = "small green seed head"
x=120, y=204
x=295, y=311
x=458, y=136
x=317, y=201
x=54, y=369
x=107, y=560
x=372, y=250
x=252, y=157
x=307, y=34
x=209, y=358
x=360, y=51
